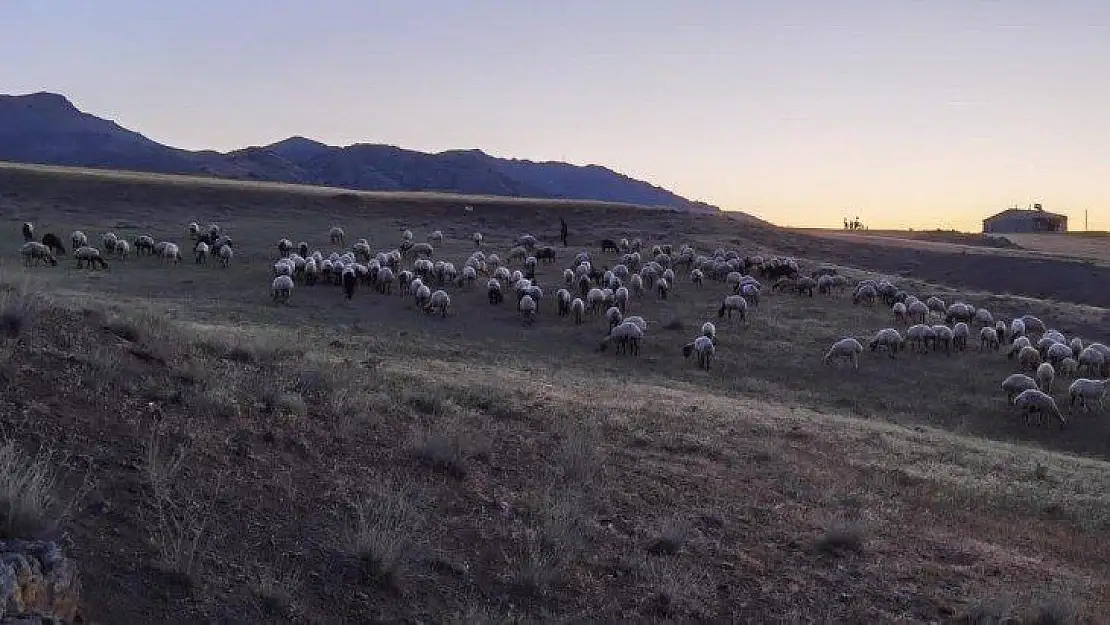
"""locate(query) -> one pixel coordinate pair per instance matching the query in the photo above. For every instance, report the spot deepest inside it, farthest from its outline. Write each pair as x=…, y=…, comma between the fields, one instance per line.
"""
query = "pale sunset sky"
x=907, y=113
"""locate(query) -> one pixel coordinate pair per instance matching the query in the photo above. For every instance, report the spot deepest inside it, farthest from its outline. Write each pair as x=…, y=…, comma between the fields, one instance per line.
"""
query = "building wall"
x=1022, y=223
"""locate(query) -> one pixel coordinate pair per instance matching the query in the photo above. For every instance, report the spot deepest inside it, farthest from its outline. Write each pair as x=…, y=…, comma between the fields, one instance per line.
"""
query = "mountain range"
x=46, y=128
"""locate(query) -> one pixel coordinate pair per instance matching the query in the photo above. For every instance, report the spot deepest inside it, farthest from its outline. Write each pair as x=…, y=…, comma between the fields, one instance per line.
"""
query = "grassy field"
x=334, y=461
x=1084, y=245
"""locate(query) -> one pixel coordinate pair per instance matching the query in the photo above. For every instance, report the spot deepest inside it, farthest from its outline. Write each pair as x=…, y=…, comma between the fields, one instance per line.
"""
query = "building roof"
x=1026, y=212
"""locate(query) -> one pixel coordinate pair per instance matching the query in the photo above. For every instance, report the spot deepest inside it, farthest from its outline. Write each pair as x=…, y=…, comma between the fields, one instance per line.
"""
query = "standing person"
x=563, y=231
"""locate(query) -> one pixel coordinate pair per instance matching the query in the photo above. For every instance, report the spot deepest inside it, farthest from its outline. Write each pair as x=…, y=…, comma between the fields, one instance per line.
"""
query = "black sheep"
x=349, y=281
x=52, y=241
x=28, y=231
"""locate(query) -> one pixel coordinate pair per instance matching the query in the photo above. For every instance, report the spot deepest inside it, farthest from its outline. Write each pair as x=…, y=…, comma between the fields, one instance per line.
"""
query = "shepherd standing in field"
x=563, y=231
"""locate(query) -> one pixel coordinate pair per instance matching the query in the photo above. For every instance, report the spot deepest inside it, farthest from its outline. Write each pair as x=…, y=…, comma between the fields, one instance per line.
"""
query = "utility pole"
x=1084, y=220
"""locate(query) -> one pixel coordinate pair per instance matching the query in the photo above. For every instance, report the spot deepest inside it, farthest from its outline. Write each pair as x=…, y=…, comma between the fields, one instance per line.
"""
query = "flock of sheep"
x=1053, y=353
x=590, y=291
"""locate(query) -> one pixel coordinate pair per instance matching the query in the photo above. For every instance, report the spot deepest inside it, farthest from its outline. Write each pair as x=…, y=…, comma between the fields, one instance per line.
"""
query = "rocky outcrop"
x=37, y=584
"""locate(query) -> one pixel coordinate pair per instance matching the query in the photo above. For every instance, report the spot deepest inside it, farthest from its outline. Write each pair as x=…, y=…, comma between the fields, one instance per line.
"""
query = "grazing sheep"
x=608, y=245
x=943, y=336
x=889, y=339
x=988, y=339
x=201, y=252
x=900, y=313
x=662, y=286
x=439, y=302
x=35, y=253
x=478, y=240
x=1046, y=375
x=1016, y=383
x=1087, y=390
x=733, y=303
x=78, y=239
x=577, y=308
x=1068, y=367
x=1017, y=328
x=527, y=308
x=385, y=281
x=108, y=242
x=170, y=252
x=846, y=348
x=704, y=347
x=1091, y=361
x=917, y=311
x=225, y=254
x=436, y=237
x=983, y=317
x=1056, y=353
x=1032, y=324
x=961, y=332
x=337, y=236
x=144, y=243
x=1076, y=346
x=194, y=230
x=281, y=289
x=90, y=256
x=51, y=241
x=422, y=249
x=919, y=336
x=28, y=231
x=1019, y=344
x=1034, y=401
x=627, y=336
x=1029, y=358
x=123, y=249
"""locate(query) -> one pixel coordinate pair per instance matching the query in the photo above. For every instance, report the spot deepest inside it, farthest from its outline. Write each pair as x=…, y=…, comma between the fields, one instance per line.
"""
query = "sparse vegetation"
x=351, y=461
x=28, y=484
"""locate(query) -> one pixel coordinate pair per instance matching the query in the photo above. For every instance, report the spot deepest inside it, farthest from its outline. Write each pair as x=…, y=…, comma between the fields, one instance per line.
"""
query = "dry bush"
x=840, y=539
x=383, y=534
x=671, y=539
x=276, y=585
x=180, y=523
x=17, y=312
x=447, y=446
x=28, y=505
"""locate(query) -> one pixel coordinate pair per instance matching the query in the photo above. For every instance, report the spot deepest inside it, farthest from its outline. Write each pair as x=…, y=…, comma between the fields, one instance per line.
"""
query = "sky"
x=923, y=114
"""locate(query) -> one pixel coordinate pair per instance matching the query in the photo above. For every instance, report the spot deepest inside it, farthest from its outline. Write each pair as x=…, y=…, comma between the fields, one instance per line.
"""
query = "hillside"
x=226, y=459
x=46, y=128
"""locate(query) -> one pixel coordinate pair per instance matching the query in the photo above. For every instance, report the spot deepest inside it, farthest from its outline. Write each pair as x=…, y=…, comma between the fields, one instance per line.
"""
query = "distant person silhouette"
x=563, y=231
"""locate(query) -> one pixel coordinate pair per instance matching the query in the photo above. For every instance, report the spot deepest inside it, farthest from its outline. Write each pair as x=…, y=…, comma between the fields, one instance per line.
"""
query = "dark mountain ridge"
x=46, y=128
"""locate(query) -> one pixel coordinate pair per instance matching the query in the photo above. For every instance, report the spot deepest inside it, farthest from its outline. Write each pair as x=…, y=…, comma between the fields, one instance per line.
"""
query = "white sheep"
x=439, y=302
x=35, y=252
x=1076, y=346
x=1068, y=367
x=943, y=336
x=627, y=336
x=1035, y=401
x=1017, y=383
x=1046, y=375
x=709, y=331
x=171, y=252
x=577, y=308
x=1019, y=344
x=889, y=339
x=436, y=237
x=281, y=288
x=422, y=294
x=1057, y=352
x=733, y=303
x=1029, y=358
x=201, y=251
x=899, y=311
x=988, y=338
x=79, y=239
x=194, y=230
x=226, y=253
x=638, y=321
x=90, y=256
x=703, y=345
x=337, y=236
x=1091, y=361
x=1087, y=390
x=527, y=308
x=478, y=239
x=983, y=317
x=960, y=335
x=846, y=348
x=1017, y=328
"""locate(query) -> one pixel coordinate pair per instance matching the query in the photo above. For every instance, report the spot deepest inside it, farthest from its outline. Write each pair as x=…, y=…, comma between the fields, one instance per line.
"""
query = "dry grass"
x=28, y=485
x=352, y=461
